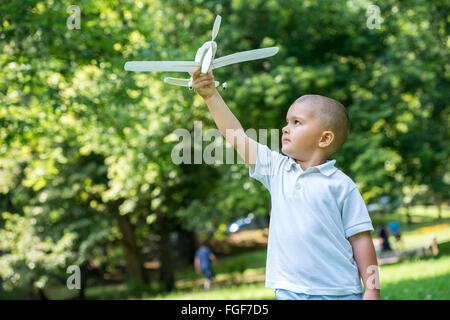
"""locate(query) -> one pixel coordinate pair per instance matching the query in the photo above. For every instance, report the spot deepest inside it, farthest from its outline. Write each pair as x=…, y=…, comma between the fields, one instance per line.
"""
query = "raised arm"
x=226, y=122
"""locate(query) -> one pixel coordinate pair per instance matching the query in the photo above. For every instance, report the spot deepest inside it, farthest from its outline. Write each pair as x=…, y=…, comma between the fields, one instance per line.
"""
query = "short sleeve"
x=267, y=162
x=355, y=216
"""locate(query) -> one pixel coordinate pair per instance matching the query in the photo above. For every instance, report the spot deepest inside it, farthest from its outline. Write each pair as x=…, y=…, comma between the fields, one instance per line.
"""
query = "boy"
x=319, y=234
x=203, y=264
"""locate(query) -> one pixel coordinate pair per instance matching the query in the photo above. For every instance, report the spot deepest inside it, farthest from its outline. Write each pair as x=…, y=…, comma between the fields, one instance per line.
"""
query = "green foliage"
x=28, y=258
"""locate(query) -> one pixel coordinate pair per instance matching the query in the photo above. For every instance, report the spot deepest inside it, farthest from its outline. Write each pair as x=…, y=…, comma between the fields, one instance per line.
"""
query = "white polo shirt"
x=313, y=213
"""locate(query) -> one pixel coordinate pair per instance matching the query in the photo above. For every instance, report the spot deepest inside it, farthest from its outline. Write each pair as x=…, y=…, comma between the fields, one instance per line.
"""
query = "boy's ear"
x=326, y=139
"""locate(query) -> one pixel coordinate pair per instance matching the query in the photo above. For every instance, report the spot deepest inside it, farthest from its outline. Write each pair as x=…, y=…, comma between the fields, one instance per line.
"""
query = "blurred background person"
x=203, y=264
x=394, y=228
x=385, y=236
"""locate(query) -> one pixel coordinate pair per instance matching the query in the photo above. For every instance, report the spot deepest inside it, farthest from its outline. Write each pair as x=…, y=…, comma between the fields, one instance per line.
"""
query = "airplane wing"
x=177, y=82
x=244, y=56
x=177, y=66
x=182, y=82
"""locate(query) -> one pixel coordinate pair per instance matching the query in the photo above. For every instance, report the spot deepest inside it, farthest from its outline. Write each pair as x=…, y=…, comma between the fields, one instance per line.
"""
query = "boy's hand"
x=204, y=85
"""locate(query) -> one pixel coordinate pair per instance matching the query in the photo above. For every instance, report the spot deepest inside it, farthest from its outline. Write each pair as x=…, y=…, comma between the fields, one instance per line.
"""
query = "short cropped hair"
x=332, y=115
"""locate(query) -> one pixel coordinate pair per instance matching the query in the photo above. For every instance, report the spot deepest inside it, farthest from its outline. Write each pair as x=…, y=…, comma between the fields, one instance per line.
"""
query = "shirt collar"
x=326, y=168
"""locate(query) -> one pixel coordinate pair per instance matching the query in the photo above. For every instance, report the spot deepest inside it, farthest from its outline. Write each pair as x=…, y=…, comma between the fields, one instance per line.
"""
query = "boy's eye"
x=295, y=122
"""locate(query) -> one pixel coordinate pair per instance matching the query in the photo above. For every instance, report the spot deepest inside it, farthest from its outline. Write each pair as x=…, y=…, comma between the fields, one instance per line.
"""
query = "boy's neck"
x=315, y=161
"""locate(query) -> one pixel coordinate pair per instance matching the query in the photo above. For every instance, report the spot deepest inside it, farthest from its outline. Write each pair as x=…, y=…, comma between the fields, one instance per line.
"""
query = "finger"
x=197, y=73
x=205, y=79
x=202, y=86
x=203, y=83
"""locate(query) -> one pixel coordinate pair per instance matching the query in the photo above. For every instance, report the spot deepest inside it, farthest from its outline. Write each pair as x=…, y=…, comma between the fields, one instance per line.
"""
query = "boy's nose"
x=285, y=129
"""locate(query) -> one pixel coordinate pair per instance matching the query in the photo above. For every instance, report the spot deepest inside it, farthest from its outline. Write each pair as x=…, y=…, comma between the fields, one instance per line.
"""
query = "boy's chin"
x=289, y=152
x=286, y=150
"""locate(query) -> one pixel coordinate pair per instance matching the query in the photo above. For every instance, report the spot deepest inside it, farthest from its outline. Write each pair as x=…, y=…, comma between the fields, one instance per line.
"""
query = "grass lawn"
x=242, y=276
x=420, y=279
x=413, y=279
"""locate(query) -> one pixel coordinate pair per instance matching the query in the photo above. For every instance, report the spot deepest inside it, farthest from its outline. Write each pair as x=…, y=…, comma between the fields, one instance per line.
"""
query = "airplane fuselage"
x=201, y=53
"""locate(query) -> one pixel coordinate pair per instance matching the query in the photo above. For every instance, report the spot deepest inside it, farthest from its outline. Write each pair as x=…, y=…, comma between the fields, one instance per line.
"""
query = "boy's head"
x=315, y=124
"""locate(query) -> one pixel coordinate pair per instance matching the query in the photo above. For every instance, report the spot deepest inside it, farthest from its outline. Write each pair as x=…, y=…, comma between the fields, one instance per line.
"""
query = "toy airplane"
x=204, y=58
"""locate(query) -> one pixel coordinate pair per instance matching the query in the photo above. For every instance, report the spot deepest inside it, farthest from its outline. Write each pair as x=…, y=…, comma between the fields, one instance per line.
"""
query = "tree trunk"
x=166, y=275
x=439, y=207
x=36, y=293
x=84, y=271
x=408, y=215
x=186, y=245
x=131, y=249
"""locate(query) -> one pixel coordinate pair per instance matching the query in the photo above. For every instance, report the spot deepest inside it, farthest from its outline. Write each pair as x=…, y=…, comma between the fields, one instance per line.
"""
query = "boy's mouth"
x=286, y=140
